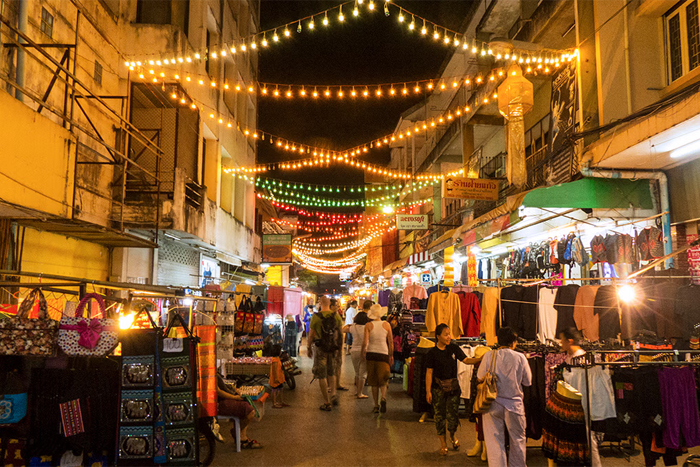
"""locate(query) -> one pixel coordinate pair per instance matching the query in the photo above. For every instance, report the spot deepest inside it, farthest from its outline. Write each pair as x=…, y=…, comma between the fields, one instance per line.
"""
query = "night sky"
x=371, y=49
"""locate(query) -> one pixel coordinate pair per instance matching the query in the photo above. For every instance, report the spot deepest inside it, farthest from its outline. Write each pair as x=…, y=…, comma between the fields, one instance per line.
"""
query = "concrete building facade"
x=110, y=173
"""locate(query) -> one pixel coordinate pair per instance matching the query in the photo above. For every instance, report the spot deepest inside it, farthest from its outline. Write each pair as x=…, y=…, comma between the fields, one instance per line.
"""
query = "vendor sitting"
x=233, y=405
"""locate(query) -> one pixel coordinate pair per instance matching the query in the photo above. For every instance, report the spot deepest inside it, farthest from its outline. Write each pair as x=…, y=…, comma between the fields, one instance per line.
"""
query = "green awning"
x=593, y=193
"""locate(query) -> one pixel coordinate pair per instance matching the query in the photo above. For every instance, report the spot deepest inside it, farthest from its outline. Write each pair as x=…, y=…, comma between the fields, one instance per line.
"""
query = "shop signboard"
x=277, y=249
x=563, y=106
x=470, y=188
x=412, y=221
x=425, y=278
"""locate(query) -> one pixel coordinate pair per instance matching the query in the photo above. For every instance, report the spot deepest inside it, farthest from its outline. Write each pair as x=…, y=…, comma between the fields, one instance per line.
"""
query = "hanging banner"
x=277, y=249
x=449, y=267
x=470, y=188
x=412, y=221
x=471, y=269
x=563, y=106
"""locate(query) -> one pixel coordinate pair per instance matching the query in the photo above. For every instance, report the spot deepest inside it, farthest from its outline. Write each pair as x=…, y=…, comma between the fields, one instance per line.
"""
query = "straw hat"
x=290, y=317
x=376, y=311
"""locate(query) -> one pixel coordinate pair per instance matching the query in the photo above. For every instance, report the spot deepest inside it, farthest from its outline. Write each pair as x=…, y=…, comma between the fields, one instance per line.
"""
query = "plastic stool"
x=237, y=426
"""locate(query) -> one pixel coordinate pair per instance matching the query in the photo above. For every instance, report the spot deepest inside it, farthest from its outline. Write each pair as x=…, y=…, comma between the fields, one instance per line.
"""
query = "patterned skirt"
x=564, y=436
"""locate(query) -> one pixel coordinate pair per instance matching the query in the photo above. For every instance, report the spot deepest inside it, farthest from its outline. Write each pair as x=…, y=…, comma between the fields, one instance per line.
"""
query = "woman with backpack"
x=378, y=350
x=323, y=344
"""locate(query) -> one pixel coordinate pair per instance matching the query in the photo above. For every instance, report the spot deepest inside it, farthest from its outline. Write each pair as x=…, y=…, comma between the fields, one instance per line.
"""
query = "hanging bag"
x=13, y=399
x=22, y=335
x=88, y=337
x=486, y=390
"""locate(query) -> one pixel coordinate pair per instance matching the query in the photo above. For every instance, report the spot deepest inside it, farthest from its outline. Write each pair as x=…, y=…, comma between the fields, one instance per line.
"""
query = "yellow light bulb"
x=286, y=32
x=436, y=36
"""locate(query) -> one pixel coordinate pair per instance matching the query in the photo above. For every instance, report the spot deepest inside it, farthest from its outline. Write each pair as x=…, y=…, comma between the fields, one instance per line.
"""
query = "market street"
x=301, y=435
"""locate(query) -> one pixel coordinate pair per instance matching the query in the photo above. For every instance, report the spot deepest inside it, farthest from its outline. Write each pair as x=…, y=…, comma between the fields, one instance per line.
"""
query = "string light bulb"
x=371, y=5
x=311, y=23
x=341, y=17
x=412, y=26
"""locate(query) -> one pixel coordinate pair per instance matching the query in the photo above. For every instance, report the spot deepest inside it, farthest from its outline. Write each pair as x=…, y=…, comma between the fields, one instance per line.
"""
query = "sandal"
x=341, y=388
x=362, y=396
x=278, y=406
x=455, y=444
x=443, y=451
x=334, y=400
x=382, y=407
x=250, y=444
x=326, y=407
x=376, y=409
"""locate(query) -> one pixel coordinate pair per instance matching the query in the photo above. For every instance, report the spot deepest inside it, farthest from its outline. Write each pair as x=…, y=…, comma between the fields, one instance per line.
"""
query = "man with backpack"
x=323, y=345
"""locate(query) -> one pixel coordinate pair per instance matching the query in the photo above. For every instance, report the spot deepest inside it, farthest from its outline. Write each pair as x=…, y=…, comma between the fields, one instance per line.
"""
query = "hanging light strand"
x=279, y=34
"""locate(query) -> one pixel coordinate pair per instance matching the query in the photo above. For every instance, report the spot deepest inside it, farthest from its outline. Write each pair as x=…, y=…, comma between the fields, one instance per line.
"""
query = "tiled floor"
x=350, y=435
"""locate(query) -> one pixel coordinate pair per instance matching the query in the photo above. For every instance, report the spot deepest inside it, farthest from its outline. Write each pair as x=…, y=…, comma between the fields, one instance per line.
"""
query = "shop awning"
x=592, y=193
x=416, y=258
x=442, y=242
x=512, y=204
x=395, y=266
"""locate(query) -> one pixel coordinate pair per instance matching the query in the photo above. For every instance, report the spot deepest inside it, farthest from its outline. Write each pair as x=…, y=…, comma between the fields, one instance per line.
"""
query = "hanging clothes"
x=564, y=304
x=436, y=288
x=395, y=301
x=606, y=301
x=528, y=313
x=465, y=373
x=471, y=314
x=383, y=297
x=564, y=437
x=664, y=299
x=547, y=314
x=413, y=291
x=584, y=316
x=444, y=307
x=602, y=399
x=275, y=296
x=680, y=405
x=687, y=310
x=534, y=398
x=241, y=291
x=489, y=314
x=511, y=298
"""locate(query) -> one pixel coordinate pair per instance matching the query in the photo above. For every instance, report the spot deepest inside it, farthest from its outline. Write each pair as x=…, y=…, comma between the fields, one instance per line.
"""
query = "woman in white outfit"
x=508, y=410
x=357, y=331
x=378, y=350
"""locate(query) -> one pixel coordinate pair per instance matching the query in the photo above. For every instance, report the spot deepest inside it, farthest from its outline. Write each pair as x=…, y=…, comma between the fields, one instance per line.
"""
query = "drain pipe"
x=22, y=13
x=659, y=176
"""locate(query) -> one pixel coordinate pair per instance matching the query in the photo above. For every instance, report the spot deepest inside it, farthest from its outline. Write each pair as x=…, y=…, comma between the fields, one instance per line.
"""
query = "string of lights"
x=336, y=202
x=340, y=91
x=314, y=188
x=305, y=149
x=325, y=19
x=300, y=195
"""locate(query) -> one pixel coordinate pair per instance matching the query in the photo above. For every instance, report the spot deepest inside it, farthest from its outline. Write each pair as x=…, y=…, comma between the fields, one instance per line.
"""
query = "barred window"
x=682, y=24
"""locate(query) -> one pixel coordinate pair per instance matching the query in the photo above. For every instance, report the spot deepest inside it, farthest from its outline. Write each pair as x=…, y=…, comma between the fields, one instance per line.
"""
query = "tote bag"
x=21, y=335
x=88, y=337
x=486, y=391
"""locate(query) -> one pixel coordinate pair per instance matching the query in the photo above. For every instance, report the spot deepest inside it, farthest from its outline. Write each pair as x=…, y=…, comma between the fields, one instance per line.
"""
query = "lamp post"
x=515, y=99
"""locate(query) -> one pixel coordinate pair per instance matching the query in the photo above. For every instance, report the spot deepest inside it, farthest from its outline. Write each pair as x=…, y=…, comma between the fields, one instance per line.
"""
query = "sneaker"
x=382, y=407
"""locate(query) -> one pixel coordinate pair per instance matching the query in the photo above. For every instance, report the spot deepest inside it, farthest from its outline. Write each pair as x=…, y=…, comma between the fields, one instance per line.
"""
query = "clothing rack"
x=587, y=362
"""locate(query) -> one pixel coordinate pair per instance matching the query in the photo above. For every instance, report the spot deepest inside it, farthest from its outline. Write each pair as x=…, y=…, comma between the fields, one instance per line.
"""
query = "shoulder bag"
x=22, y=335
x=88, y=337
x=486, y=391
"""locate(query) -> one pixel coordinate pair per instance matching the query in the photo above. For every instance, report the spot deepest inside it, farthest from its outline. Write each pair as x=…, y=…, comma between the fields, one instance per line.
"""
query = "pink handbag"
x=88, y=337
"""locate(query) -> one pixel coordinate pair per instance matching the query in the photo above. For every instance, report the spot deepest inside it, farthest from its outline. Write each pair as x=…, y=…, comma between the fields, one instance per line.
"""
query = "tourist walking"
x=508, y=410
x=356, y=330
x=322, y=344
x=350, y=314
x=335, y=307
x=378, y=350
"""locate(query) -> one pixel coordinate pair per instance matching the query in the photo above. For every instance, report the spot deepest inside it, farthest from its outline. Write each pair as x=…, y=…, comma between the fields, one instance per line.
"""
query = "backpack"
x=330, y=334
x=561, y=251
x=578, y=251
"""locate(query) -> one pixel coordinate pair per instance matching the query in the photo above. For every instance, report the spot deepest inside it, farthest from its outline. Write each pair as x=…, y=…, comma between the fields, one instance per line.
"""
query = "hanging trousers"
x=496, y=420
